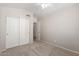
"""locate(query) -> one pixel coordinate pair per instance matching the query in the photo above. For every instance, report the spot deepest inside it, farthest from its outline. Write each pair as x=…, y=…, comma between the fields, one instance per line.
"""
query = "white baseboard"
x=53, y=44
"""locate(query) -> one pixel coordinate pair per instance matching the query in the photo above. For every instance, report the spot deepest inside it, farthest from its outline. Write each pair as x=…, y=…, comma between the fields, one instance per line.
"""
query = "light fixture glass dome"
x=44, y=5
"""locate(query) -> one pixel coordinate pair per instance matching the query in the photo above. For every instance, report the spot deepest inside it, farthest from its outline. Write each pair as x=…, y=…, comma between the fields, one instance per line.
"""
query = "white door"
x=12, y=32
x=24, y=30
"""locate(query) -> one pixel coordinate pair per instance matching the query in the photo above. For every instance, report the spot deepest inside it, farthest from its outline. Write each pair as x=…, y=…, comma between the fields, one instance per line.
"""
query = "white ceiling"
x=36, y=8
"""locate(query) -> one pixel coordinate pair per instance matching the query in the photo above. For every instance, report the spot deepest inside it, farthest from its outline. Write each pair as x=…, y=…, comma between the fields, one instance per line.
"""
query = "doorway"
x=34, y=31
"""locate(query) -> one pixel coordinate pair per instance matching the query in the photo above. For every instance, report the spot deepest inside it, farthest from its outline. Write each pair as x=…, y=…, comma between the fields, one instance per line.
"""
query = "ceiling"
x=36, y=7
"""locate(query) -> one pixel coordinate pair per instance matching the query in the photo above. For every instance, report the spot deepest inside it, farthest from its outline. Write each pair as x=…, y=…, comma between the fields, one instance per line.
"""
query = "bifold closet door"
x=24, y=30
x=17, y=31
x=12, y=32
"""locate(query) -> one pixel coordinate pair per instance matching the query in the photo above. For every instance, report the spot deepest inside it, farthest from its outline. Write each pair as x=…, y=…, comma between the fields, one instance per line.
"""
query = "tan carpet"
x=36, y=49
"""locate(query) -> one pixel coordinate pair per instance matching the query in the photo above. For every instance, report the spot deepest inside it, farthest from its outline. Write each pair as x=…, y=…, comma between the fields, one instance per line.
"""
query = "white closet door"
x=24, y=30
x=12, y=32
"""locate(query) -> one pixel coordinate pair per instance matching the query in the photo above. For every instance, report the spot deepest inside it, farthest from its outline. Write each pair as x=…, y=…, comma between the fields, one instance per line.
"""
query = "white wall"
x=62, y=27
x=5, y=11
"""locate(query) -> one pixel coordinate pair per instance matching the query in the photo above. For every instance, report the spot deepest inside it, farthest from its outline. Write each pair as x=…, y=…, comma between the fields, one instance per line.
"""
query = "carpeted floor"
x=36, y=49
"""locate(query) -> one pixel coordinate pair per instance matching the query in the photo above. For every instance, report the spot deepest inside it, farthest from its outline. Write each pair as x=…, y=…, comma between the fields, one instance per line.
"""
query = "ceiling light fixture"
x=44, y=5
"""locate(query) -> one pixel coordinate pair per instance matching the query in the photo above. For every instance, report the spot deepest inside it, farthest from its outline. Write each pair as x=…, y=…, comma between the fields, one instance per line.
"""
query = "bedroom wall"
x=62, y=27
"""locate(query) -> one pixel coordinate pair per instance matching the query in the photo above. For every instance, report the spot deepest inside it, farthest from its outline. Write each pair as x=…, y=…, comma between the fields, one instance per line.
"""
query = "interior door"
x=12, y=32
x=24, y=30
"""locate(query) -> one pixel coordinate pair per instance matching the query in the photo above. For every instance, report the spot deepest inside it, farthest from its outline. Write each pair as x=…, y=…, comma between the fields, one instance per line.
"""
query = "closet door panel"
x=24, y=30
x=12, y=32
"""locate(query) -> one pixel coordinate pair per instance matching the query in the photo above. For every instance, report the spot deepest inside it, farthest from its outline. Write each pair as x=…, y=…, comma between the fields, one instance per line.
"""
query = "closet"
x=17, y=31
